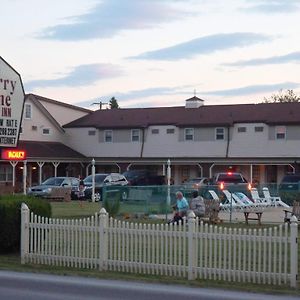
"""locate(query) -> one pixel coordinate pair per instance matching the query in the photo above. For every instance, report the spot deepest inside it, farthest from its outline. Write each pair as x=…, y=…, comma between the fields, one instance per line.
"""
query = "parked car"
x=290, y=183
x=55, y=188
x=102, y=180
x=196, y=183
x=143, y=177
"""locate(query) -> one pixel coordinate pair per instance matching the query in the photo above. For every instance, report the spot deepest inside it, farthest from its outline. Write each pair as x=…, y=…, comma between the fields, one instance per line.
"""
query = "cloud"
x=205, y=45
x=273, y=6
x=80, y=76
x=141, y=94
x=110, y=17
x=293, y=57
x=253, y=89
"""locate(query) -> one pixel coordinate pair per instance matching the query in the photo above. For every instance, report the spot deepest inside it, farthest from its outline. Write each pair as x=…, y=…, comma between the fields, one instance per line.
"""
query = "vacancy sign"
x=13, y=154
x=11, y=104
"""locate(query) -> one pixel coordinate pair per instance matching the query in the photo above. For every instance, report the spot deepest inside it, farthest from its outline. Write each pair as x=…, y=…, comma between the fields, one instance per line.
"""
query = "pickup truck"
x=231, y=181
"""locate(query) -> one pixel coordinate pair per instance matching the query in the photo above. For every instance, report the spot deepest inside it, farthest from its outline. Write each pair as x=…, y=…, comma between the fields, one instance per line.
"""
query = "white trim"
x=139, y=135
x=192, y=134
x=46, y=128
x=104, y=136
x=223, y=128
x=25, y=111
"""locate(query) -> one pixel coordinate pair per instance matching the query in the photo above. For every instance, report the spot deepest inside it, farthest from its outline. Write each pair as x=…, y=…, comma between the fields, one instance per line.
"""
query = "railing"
x=192, y=250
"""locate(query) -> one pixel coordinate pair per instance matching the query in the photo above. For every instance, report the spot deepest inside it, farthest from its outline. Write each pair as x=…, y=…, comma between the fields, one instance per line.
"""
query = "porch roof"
x=49, y=150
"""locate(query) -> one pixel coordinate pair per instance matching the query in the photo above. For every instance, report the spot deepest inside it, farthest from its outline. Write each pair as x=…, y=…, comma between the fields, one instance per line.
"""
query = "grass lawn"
x=75, y=210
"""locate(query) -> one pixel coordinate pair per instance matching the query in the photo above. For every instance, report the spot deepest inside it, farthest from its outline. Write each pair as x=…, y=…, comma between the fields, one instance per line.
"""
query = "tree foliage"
x=113, y=103
x=283, y=96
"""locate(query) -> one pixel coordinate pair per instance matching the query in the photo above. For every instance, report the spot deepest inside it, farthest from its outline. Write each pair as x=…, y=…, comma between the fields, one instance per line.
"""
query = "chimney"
x=194, y=102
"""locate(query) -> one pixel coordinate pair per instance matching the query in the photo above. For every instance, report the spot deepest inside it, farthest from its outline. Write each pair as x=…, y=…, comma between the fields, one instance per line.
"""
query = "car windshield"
x=53, y=181
x=233, y=178
x=99, y=178
x=291, y=178
x=132, y=174
x=193, y=180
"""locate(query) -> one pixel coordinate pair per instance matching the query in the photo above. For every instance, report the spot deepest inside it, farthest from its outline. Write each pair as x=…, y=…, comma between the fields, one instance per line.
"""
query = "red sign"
x=13, y=154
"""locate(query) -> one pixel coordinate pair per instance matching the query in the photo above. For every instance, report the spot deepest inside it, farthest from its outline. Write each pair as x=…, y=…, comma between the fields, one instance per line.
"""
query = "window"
x=92, y=132
x=220, y=133
x=28, y=111
x=46, y=131
x=189, y=134
x=5, y=173
x=170, y=130
x=280, y=132
x=242, y=129
x=108, y=136
x=155, y=131
x=135, y=135
x=258, y=128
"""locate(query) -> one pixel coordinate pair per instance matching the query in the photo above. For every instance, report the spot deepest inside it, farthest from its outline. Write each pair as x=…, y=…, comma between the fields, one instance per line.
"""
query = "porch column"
x=40, y=164
x=13, y=164
x=251, y=173
x=201, y=170
x=24, y=176
x=55, y=164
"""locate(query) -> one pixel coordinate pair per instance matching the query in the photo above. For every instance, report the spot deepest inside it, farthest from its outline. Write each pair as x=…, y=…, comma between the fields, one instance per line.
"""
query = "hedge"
x=10, y=218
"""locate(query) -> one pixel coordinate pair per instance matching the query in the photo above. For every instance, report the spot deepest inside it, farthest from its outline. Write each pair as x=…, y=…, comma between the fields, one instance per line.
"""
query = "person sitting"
x=197, y=205
x=180, y=209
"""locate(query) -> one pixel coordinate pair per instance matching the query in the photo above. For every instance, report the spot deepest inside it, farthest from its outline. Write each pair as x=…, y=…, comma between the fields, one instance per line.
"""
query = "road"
x=29, y=286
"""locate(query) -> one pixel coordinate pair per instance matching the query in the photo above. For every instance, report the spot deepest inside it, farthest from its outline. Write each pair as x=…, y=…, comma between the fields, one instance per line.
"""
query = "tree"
x=287, y=96
x=113, y=103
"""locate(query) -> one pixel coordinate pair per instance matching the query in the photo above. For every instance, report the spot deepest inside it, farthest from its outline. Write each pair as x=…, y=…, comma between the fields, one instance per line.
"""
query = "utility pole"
x=100, y=103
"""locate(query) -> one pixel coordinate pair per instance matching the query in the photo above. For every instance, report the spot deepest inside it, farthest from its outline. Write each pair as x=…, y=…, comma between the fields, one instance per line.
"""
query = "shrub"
x=10, y=218
x=289, y=197
x=111, y=202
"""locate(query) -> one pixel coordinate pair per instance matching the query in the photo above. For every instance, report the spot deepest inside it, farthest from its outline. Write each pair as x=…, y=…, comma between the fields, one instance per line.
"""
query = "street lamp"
x=93, y=180
x=168, y=183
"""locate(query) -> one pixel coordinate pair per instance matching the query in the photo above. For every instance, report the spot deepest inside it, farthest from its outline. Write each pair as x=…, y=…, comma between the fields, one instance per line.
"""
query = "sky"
x=151, y=53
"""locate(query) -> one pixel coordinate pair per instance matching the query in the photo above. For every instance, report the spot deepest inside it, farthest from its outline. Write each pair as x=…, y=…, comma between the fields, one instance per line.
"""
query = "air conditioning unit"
x=33, y=127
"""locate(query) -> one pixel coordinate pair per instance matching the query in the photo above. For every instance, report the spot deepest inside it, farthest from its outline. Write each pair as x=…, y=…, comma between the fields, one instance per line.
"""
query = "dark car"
x=55, y=188
x=101, y=180
x=143, y=178
x=290, y=183
x=231, y=181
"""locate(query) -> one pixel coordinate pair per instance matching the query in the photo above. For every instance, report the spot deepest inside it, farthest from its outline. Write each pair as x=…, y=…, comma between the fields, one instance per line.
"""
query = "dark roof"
x=206, y=115
x=55, y=150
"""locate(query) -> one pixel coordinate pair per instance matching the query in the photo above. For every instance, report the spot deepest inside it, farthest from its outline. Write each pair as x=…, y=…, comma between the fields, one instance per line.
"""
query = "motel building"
x=261, y=141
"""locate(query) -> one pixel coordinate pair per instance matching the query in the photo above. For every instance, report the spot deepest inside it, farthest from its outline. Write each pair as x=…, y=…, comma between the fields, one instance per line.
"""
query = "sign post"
x=11, y=104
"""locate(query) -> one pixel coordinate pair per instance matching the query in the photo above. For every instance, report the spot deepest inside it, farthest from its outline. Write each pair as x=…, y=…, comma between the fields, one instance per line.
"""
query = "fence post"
x=24, y=244
x=103, y=240
x=191, y=246
x=294, y=251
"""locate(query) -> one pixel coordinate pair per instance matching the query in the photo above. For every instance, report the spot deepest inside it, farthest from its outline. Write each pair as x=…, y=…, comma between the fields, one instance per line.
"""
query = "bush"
x=289, y=197
x=111, y=202
x=10, y=218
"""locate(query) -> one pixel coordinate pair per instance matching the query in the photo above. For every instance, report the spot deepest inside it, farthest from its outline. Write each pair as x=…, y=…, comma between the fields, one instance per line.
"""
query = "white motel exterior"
x=260, y=140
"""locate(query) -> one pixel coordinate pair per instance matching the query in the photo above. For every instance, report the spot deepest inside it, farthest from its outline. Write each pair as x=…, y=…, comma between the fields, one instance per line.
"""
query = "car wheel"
x=97, y=197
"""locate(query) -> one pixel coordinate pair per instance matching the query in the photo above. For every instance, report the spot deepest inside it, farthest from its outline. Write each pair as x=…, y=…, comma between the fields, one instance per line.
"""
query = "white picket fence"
x=192, y=250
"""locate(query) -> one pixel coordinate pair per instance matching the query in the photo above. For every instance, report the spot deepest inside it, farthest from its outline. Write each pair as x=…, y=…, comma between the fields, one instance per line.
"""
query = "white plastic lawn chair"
x=273, y=200
x=214, y=195
x=245, y=200
x=256, y=197
x=232, y=201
